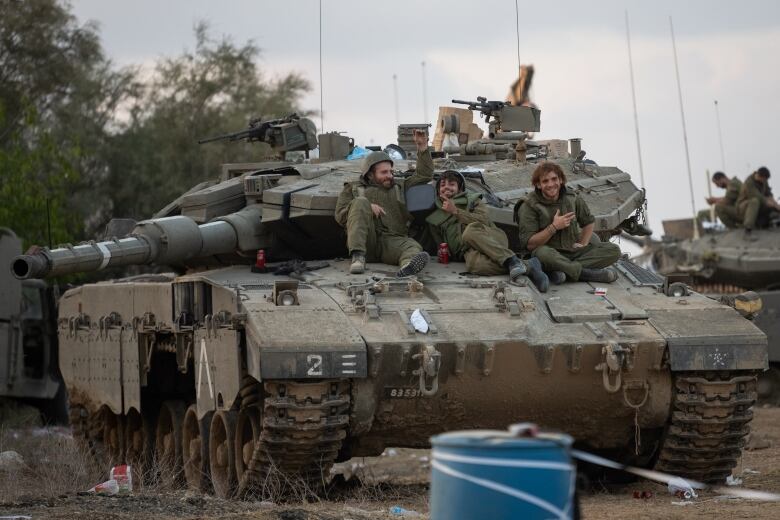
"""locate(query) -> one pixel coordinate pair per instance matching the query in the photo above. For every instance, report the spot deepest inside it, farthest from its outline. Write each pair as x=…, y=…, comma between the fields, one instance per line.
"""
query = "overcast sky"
x=728, y=51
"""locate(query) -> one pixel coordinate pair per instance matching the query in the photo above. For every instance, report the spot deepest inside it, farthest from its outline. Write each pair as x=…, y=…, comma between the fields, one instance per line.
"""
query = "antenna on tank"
x=395, y=99
x=424, y=94
x=322, y=110
x=685, y=132
x=517, y=33
x=720, y=138
x=633, y=101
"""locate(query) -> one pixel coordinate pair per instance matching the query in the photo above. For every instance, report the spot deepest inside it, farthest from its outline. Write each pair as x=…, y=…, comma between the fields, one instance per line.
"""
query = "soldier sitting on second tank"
x=756, y=202
x=556, y=226
x=375, y=217
x=461, y=220
x=726, y=206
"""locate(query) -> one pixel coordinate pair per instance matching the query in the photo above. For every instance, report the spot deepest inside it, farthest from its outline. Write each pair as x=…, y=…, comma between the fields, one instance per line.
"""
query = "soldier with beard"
x=375, y=217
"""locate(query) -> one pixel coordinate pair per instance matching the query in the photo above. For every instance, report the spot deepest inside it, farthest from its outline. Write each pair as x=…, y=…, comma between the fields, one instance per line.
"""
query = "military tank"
x=236, y=370
x=722, y=263
x=29, y=372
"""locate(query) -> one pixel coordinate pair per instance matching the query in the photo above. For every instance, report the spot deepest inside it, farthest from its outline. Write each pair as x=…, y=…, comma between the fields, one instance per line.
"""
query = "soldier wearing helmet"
x=461, y=220
x=375, y=217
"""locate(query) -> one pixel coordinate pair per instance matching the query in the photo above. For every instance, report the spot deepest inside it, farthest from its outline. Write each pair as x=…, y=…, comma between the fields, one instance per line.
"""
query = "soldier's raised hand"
x=449, y=206
x=562, y=221
x=421, y=139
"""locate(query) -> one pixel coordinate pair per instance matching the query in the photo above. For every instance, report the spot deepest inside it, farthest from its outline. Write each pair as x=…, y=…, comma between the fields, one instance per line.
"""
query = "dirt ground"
x=374, y=485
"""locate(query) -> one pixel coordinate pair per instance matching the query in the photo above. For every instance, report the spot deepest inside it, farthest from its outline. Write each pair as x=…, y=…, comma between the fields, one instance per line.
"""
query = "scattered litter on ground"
x=109, y=487
x=733, y=481
x=400, y=511
x=680, y=488
x=123, y=475
x=749, y=471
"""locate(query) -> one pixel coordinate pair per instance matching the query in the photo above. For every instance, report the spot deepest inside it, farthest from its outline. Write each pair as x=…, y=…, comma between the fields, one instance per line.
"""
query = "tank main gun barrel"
x=167, y=240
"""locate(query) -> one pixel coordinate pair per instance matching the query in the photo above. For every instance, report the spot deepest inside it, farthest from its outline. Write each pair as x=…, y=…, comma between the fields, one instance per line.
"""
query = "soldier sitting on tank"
x=375, y=217
x=756, y=203
x=461, y=220
x=726, y=206
x=556, y=226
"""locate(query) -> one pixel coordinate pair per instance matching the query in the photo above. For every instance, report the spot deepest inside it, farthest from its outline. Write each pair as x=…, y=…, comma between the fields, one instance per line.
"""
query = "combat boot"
x=556, y=277
x=358, y=265
x=537, y=276
x=605, y=275
x=516, y=268
x=415, y=265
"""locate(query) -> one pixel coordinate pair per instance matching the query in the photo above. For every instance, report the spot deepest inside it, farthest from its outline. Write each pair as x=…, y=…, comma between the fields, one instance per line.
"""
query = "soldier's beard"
x=386, y=184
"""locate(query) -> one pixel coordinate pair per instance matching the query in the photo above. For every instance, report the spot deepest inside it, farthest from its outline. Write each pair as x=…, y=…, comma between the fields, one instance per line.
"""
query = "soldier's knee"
x=611, y=250
x=471, y=231
x=544, y=252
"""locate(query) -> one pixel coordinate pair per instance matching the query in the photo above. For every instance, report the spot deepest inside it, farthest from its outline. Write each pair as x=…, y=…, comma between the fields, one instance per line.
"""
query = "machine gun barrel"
x=167, y=240
x=469, y=103
x=235, y=136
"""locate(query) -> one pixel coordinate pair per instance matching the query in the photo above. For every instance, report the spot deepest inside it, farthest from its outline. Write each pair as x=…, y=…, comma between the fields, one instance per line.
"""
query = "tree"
x=58, y=96
x=216, y=89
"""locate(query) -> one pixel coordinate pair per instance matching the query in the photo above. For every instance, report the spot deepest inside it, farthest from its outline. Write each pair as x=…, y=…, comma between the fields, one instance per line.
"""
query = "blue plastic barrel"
x=486, y=474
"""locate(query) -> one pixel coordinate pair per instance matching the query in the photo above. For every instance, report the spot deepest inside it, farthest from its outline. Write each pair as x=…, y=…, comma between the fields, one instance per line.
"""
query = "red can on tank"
x=444, y=253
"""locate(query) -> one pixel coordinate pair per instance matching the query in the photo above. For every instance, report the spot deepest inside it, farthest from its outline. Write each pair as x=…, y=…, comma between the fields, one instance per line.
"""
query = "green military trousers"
x=727, y=214
x=748, y=211
x=488, y=249
x=366, y=233
x=593, y=256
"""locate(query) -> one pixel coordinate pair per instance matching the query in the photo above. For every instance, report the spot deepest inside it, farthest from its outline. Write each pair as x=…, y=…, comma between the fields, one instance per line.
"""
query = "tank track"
x=711, y=414
x=304, y=424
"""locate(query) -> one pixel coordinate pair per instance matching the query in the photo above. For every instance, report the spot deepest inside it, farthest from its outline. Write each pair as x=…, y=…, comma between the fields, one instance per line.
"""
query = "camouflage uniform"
x=726, y=209
x=383, y=238
x=471, y=235
x=752, y=201
x=559, y=253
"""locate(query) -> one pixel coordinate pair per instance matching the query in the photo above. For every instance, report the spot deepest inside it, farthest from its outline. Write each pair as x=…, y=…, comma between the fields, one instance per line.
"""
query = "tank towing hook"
x=430, y=363
x=615, y=358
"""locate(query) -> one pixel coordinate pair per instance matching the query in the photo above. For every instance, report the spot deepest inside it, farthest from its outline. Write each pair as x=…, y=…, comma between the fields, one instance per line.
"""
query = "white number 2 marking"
x=315, y=364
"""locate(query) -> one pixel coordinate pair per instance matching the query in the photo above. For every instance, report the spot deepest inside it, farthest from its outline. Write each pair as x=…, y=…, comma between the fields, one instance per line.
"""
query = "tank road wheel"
x=248, y=427
x=222, y=461
x=711, y=412
x=195, y=443
x=139, y=439
x=113, y=437
x=167, y=442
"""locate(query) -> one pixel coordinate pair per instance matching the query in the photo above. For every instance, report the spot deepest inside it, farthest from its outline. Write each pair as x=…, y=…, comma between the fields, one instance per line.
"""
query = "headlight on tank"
x=285, y=293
